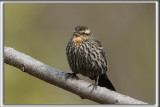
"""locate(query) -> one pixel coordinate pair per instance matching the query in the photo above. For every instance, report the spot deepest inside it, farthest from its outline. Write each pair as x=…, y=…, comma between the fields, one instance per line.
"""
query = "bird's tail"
x=103, y=81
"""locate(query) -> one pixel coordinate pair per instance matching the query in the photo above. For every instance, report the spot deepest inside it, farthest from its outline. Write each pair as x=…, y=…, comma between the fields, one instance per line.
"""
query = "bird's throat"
x=77, y=40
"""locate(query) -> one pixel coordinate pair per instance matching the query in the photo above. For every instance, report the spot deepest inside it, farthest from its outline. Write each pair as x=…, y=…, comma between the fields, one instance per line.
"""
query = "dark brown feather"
x=86, y=56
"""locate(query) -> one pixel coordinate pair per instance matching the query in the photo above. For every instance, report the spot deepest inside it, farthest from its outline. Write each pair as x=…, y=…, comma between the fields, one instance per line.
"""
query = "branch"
x=56, y=77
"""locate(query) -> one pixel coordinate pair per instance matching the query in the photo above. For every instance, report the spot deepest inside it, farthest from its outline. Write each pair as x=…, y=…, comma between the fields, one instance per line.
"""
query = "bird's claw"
x=94, y=86
x=72, y=76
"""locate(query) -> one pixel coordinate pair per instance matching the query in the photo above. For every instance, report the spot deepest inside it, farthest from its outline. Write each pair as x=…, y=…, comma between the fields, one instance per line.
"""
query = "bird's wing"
x=101, y=50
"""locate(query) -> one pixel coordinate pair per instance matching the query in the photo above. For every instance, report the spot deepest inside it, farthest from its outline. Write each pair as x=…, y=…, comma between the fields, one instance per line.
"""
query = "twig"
x=58, y=78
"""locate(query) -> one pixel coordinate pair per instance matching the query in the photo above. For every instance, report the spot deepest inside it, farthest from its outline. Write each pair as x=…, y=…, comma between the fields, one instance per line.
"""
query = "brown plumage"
x=86, y=56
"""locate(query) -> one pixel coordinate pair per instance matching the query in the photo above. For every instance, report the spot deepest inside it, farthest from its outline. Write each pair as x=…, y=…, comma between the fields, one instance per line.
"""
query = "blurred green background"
x=126, y=31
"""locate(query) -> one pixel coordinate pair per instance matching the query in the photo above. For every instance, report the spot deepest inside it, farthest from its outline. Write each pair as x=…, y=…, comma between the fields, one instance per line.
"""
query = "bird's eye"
x=75, y=30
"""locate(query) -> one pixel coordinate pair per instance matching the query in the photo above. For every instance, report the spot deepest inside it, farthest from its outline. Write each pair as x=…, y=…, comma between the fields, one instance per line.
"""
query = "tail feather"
x=105, y=82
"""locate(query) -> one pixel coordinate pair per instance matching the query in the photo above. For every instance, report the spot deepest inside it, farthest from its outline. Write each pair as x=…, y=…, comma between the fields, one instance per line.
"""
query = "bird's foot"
x=72, y=76
x=94, y=86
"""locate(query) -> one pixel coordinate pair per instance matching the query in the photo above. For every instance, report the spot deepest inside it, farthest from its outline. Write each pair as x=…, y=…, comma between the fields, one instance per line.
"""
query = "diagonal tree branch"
x=58, y=78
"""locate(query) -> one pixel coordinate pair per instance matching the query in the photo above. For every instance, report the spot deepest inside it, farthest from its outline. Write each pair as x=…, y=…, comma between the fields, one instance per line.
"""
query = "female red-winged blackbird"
x=86, y=56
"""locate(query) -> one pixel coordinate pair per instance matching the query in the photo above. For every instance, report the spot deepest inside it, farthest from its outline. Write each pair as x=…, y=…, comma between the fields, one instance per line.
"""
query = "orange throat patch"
x=77, y=40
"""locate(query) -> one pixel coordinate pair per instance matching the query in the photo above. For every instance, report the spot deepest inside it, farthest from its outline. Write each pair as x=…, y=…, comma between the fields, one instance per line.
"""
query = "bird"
x=87, y=57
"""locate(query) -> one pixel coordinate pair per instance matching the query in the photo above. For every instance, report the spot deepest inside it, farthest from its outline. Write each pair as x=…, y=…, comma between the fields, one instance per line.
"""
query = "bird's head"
x=81, y=31
x=80, y=34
